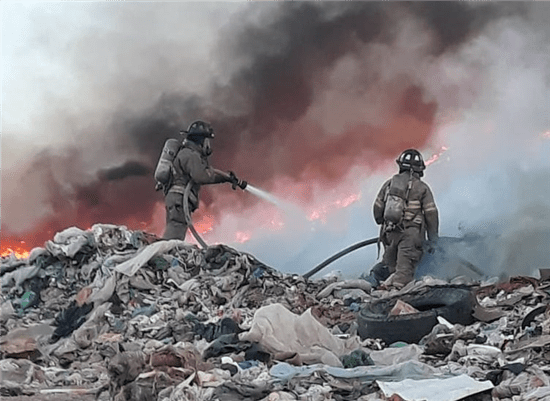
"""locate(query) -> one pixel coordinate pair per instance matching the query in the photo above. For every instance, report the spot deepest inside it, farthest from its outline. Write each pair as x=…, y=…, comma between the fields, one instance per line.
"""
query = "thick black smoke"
x=128, y=169
x=276, y=61
x=286, y=55
x=454, y=23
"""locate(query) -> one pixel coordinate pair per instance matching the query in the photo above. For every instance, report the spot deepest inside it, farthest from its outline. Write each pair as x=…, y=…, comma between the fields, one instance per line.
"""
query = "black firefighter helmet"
x=411, y=159
x=200, y=133
x=199, y=129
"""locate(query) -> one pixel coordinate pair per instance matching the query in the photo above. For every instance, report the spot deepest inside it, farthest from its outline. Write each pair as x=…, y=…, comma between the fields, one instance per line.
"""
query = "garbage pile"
x=113, y=314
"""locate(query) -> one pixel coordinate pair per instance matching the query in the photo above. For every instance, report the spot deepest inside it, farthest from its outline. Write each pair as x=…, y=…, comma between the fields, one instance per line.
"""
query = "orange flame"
x=321, y=212
x=436, y=156
x=16, y=248
x=204, y=223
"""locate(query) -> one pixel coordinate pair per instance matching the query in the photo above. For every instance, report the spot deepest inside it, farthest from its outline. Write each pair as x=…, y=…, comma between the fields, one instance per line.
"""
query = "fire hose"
x=234, y=184
x=320, y=266
x=371, y=241
x=323, y=264
x=188, y=215
x=339, y=255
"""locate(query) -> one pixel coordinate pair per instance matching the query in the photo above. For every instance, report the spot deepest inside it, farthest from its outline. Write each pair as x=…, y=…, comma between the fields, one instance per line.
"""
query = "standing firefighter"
x=406, y=212
x=181, y=170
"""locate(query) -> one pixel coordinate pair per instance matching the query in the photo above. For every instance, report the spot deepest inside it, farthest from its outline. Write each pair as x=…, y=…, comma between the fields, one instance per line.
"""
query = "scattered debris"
x=121, y=315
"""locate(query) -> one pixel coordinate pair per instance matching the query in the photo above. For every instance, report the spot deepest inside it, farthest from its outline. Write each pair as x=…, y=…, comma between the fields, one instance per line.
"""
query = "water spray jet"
x=262, y=194
x=285, y=206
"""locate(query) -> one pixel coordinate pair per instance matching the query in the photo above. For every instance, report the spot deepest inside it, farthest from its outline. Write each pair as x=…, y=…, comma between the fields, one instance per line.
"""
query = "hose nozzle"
x=235, y=182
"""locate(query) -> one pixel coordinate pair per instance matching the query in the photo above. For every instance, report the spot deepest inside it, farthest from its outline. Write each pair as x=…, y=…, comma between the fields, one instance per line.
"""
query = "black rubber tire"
x=453, y=303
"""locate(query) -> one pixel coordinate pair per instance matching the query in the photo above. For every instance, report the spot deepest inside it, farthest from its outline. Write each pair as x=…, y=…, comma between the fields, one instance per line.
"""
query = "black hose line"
x=371, y=241
x=188, y=216
x=339, y=255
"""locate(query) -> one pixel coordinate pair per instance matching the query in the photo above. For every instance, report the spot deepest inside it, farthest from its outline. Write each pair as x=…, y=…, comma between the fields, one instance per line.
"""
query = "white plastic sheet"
x=393, y=356
x=541, y=394
x=6, y=311
x=448, y=389
x=19, y=276
x=345, y=284
x=130, y=267
x=102, y=294
x=69, y=242
x=279, y=330
x=410, y=369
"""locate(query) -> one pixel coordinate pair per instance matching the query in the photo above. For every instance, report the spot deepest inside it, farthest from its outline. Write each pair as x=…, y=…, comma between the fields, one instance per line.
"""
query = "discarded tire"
x=453, y=304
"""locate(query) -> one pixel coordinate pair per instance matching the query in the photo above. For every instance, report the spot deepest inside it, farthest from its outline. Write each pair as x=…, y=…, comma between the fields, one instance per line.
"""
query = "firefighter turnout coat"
x=403, y=245
x=189, y=165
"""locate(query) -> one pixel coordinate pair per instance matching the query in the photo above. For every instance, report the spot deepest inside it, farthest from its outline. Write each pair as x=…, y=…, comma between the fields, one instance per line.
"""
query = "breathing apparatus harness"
x=389, y=225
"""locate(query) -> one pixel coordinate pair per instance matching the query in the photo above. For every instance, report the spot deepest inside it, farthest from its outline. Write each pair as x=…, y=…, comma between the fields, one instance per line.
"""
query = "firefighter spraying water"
x=184, y=166
x=181, y=170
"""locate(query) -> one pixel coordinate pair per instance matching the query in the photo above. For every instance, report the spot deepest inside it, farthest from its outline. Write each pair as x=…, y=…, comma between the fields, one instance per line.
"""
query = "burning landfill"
x=312, y=102
x=117, y=314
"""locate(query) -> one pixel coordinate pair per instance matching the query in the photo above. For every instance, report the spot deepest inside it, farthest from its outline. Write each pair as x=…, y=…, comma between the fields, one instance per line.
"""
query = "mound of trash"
x=114, y=314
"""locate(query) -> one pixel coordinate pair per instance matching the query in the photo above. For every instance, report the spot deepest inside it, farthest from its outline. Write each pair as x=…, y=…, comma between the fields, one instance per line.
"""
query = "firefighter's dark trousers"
x=402, y=253
x=176, y=225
